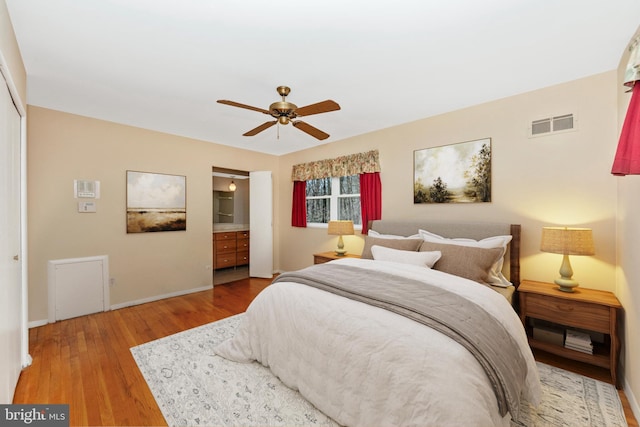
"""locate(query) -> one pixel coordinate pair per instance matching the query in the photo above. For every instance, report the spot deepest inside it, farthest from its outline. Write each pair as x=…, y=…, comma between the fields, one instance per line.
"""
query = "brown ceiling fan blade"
x=314, y=132
x=237, y=104
x=265, y=125
x=317, y=108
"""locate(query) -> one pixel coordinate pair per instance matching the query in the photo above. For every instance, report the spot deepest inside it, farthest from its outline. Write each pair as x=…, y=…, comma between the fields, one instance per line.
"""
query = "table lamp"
x=340, y=228
x=567, y=241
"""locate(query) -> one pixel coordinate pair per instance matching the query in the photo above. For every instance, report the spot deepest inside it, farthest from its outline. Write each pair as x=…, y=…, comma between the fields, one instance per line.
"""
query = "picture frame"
x=156, y=202
x=454, y=173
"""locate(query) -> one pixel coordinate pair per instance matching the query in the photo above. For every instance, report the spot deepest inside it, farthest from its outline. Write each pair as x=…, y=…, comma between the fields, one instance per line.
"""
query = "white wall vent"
x=552, y=125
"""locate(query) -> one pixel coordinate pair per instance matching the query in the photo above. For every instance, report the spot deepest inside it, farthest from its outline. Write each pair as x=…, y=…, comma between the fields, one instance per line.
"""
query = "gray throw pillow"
x=465, y=261
x=401, y=244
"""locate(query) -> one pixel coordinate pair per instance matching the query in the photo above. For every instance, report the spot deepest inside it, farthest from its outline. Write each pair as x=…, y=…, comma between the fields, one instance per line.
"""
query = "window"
x=336, y=198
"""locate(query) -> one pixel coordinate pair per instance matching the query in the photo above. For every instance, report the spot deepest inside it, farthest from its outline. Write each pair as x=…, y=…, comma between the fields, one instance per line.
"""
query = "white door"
x=261, y=224
x=10, y=263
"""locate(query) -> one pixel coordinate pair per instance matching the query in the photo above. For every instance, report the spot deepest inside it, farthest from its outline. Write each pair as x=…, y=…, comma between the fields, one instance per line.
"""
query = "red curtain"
x=299, y=207
x=627, y=160
x=370, y=198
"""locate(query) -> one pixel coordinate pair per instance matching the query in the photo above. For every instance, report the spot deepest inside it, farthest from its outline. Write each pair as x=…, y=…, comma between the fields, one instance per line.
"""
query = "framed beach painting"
x=156, y=202
x=455, y=173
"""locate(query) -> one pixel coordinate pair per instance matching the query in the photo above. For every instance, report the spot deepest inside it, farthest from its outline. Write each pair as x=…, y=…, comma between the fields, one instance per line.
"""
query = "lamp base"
x=565, y=280
x=566, y=285
x=340, y=250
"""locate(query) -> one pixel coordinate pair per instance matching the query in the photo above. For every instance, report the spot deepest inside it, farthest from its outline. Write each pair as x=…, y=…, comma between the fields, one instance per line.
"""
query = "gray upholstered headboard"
x=471, y=230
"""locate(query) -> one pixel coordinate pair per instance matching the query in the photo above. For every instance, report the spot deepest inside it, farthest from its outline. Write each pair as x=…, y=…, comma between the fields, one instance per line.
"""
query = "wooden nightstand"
x=323, y=257
x=587, y=309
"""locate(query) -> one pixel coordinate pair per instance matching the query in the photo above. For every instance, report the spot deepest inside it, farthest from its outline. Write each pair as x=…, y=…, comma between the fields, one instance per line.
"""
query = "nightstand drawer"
x=594, y=317
x=318, y=259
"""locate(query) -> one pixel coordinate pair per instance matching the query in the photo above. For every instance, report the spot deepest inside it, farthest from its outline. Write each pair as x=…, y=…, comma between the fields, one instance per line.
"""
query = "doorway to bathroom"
x=231, y=237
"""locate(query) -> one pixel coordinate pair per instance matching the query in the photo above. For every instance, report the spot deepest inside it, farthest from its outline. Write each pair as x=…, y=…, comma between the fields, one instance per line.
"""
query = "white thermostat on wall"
x=86, y=189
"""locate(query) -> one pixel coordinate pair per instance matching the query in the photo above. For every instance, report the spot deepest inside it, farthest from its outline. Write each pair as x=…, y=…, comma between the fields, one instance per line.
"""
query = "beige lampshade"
x=340, y=228
x=567, y=241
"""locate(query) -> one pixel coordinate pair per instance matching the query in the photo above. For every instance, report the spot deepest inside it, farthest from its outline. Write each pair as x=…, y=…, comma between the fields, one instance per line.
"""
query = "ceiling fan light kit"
x=285, y=112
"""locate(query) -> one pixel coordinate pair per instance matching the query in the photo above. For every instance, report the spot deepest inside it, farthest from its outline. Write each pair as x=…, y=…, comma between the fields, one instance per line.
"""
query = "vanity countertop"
x=217, y=228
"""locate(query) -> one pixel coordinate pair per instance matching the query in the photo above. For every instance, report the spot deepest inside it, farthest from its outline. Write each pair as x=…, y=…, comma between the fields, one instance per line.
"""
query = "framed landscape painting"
x=156, y=202
x=456, y=173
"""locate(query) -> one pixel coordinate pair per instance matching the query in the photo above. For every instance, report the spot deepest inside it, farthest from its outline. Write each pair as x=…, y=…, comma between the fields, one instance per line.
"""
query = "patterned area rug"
x=193, y=387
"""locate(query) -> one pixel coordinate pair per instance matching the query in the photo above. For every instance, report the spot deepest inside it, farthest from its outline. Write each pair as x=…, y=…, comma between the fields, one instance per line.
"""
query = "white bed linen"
x=365, y=366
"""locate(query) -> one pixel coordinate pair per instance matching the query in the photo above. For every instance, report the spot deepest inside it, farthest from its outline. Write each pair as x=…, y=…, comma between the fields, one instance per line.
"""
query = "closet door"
x=261, y=224
x=10, y=263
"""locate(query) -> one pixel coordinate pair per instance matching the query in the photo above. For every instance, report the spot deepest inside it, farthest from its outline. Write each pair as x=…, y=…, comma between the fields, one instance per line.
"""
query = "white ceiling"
x=162, y=64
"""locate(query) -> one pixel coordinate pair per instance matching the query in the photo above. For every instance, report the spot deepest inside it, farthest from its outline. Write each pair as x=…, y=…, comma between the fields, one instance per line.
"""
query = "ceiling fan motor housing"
x=283, y=110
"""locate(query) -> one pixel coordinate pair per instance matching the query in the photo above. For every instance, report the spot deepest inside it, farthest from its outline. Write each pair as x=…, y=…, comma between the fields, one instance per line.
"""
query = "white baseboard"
x=159, y=297
x=37, y=323
x=633, y=402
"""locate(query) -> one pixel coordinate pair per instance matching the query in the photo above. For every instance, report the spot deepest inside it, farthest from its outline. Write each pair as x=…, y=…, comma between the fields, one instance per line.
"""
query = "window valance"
x=353, y=164
x=632, y=72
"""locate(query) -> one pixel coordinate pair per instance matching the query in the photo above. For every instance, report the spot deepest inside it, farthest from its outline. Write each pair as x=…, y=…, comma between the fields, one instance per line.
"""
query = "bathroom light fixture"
x=232, y=186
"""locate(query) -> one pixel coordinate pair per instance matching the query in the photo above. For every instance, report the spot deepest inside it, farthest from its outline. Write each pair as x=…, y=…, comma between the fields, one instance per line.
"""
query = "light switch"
x=86, y=207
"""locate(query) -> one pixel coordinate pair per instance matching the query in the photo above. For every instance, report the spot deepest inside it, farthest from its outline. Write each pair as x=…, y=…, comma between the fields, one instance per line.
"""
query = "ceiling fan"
x=285, y=112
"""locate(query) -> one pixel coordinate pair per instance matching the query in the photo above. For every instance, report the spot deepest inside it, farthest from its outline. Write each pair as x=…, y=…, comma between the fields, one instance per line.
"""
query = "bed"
x=388, y=340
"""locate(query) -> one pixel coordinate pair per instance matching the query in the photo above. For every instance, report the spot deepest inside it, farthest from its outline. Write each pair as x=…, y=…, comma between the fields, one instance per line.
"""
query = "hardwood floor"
x=86, y=361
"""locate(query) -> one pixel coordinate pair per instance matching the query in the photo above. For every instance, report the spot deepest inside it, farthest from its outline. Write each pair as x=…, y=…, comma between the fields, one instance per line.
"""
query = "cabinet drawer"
x=242, y=244
x=230, y=235
x=242, y=234
x=594, y=317
x=223, y=246
x=242, y=258
x=225, y=260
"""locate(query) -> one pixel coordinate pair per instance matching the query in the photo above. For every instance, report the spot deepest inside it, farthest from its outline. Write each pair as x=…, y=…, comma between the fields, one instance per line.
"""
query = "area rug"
x=193, y=387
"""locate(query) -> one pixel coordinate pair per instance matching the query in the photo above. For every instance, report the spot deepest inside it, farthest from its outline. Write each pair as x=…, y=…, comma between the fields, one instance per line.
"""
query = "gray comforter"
x=458, y=318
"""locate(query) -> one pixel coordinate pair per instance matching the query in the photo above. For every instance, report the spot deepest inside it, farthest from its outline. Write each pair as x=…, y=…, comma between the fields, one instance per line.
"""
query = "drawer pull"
x=565, y=307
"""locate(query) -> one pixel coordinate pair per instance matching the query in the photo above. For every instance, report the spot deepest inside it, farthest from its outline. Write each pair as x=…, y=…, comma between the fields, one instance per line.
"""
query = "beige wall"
x=628, y=283
x=63, y=147
x=553, y=180
x=11, y=53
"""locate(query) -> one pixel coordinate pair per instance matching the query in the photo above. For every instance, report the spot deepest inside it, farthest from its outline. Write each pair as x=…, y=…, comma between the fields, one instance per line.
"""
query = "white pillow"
x=496, y=277
x=425, y=259
x=374, y=233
